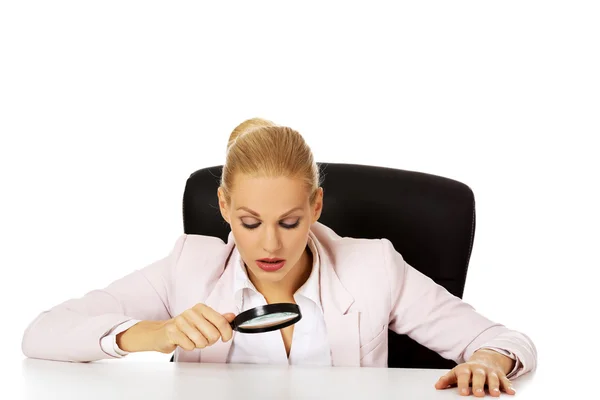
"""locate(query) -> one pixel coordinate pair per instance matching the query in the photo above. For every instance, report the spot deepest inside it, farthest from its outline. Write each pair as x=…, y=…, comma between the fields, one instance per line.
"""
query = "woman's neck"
x=284, y=290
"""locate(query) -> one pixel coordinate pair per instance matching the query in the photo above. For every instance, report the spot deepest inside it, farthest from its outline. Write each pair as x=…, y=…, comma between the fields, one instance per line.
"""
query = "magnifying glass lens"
x=266, y=321
x=267, y=318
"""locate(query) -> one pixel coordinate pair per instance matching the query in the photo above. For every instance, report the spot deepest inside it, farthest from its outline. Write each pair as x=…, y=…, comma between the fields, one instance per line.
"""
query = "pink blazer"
x=366, y=288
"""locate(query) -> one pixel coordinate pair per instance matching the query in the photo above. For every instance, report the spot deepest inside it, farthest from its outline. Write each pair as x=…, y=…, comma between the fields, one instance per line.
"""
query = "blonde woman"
x=278, y=252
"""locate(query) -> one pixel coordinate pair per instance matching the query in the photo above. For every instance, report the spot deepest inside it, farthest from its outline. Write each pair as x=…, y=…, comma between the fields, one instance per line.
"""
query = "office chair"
x=429, y=219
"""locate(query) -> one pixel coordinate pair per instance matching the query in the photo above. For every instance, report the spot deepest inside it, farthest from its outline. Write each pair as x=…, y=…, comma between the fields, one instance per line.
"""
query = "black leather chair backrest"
x=429, y=219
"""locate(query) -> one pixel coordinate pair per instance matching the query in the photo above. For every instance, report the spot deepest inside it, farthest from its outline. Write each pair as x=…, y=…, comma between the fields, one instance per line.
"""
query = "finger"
x=446, y=380
x=506, y=385
x=206, y=328
x=478, y=381
x=178, y=338
x=463, y=378
x=493, y=383
x=229, y=317
x=191, y=332
x=218, y=321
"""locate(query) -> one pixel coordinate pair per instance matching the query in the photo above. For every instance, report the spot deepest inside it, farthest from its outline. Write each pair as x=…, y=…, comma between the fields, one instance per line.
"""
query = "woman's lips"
x=270, y=266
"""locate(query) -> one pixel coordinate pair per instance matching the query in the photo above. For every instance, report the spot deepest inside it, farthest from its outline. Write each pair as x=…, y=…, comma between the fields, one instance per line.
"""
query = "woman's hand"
x=195, y=328
x=484, y=367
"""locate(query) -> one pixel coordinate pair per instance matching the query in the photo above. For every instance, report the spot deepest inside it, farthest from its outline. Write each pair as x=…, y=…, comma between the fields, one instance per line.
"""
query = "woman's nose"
x=271, y=241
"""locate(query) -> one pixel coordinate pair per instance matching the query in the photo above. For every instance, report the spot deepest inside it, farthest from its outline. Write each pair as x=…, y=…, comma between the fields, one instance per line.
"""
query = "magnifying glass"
x=267, y=318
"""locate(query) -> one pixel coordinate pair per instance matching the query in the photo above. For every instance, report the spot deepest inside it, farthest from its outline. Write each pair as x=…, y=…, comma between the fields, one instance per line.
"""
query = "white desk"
x=114, y=379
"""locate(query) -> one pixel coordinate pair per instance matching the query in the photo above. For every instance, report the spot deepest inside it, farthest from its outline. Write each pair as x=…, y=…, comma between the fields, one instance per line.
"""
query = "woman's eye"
x=290, y=226
x=253, y=226
x=282, y=224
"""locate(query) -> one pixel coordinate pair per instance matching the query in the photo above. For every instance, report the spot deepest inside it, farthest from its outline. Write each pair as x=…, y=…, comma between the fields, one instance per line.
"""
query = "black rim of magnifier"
x=264, y=310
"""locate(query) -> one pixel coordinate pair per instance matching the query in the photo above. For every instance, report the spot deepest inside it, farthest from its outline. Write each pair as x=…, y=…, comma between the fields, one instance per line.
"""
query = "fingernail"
x=465, y=390
x=512, y=388
x=479, y=390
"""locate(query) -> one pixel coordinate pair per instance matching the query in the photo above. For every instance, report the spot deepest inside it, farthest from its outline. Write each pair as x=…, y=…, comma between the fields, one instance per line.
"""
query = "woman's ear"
x=318, y=207
x=223, y=205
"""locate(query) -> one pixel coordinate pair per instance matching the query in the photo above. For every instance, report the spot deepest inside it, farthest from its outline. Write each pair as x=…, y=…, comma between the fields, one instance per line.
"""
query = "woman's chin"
x=269, y=276
x=272, y=276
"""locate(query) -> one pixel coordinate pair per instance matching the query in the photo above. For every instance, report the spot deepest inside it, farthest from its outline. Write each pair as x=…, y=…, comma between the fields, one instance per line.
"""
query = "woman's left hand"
x=484, y=367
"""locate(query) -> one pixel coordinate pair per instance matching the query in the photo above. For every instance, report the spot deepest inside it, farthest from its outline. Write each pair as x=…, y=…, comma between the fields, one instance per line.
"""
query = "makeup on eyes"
x=283, y=225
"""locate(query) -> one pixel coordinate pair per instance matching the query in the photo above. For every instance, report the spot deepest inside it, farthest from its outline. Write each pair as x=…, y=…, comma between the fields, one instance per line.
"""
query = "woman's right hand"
x=195, y=328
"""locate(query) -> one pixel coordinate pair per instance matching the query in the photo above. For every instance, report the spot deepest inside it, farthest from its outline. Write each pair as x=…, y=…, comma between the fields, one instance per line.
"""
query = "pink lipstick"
x=270, y=264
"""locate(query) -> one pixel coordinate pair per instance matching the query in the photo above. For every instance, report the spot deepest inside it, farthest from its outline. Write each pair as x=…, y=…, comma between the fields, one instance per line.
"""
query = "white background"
x=107, y=107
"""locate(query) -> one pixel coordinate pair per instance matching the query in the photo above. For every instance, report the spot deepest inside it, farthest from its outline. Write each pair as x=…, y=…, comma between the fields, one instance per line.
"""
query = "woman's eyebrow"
x=258, y=215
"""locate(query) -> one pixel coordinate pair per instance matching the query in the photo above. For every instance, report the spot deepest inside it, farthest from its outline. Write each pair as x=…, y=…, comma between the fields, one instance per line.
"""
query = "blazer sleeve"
x=72, y=330
x=442, y=322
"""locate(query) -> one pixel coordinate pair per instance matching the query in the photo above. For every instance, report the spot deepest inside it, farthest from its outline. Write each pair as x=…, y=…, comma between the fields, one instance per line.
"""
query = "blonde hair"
x=258, y=147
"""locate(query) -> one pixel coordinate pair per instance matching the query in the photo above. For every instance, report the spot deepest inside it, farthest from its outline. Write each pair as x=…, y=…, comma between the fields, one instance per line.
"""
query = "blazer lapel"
x=342, y=325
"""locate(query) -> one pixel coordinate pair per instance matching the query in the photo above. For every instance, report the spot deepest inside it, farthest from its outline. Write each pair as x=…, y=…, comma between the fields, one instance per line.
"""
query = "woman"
x=278, y=252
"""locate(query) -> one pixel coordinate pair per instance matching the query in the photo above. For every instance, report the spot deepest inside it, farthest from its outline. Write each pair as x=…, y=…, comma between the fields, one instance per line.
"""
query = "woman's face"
x=270, y=218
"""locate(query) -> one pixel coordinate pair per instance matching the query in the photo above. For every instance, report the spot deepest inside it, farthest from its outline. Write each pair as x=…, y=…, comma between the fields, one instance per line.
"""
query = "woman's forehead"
x=269, y=195
x=247, y=183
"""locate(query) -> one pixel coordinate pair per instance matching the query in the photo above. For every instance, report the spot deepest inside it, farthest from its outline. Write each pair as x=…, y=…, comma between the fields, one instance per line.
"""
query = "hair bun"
x=246, y=127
